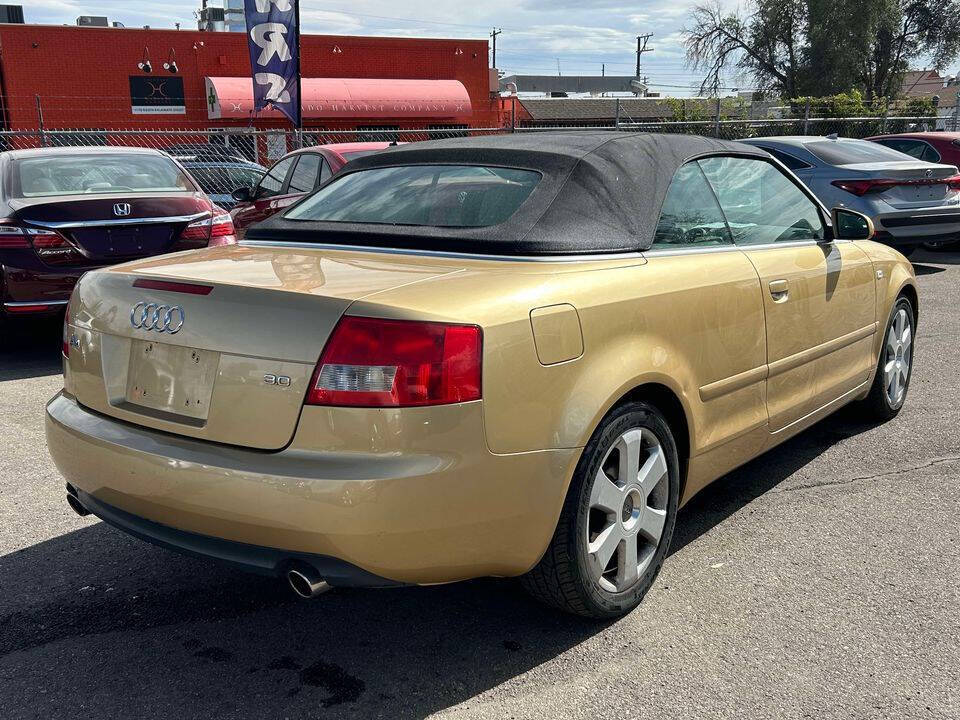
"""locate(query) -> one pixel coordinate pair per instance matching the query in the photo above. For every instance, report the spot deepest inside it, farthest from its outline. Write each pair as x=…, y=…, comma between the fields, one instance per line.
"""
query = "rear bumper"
x=882, y=236
x=400, y=515
x=30, y=283
x=251, y=558
x=914, y=227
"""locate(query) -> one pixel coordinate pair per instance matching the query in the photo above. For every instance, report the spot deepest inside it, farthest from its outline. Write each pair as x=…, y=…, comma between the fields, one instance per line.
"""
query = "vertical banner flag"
x=273, y=35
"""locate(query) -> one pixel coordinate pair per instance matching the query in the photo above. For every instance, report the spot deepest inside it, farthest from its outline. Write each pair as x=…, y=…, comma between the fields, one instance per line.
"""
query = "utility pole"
x=496, y=31
x=642, y=48
x=558, y=67
x=603, y=70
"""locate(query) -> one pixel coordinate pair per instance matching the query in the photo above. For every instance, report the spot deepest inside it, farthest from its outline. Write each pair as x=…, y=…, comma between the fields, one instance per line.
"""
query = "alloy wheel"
x=896, y=368
x=628, y=509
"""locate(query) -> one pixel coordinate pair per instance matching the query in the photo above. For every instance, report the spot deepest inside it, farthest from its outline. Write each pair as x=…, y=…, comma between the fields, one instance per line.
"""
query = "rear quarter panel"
x=676, y=321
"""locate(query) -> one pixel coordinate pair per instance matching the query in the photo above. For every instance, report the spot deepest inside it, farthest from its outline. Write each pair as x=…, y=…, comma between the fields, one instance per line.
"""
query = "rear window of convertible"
x=433, y=195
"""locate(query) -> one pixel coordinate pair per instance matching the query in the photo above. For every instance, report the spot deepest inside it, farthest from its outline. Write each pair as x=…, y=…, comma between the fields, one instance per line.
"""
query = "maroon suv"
x=64, y=211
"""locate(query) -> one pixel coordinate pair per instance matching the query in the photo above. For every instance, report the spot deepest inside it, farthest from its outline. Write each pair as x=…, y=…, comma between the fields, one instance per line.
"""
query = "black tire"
x=877, y=406
x=563, y=578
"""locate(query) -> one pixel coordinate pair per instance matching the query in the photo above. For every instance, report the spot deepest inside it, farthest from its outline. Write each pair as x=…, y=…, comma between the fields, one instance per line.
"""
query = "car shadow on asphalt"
x=739, y=488
x=404, y=652
x=937, y=257
x=30, y=348
x=921, y=269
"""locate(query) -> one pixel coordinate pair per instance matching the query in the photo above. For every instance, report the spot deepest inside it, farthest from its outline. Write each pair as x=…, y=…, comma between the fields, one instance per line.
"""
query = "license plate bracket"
x=171, y=379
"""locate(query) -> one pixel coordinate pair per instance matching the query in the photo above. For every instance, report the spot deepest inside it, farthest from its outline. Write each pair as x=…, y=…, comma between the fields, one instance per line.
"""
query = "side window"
x=304, y=177
x=690, y=215
x=913, y=148
x=761, y=204
x=273, y=181
x=930, y=154
x=789, y=160
x=325, y=172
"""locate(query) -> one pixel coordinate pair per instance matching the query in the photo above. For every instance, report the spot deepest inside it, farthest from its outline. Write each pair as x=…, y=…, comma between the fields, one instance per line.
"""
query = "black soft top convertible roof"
x=601, y=192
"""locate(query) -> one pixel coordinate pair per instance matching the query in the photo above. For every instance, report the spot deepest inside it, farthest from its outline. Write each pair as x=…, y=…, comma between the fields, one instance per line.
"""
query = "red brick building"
x=90, y=78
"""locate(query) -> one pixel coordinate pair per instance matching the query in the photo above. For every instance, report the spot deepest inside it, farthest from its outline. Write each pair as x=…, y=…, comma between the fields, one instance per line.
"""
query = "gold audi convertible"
x=509, y=356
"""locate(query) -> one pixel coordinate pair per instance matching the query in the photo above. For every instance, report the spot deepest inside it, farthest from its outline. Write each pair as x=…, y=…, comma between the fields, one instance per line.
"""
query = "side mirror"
x=242, y=194
x=851, y=225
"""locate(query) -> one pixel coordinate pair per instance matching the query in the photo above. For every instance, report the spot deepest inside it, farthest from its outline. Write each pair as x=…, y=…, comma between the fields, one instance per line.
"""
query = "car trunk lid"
x=908, y=184
x=113, y=228
x=233, y=360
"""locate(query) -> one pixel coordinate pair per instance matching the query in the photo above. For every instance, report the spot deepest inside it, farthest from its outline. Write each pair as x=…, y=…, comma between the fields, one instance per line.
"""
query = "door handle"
x=779, y=290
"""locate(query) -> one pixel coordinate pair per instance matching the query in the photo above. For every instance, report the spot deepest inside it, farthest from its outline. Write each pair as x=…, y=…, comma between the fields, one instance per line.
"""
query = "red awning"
x=348, y=98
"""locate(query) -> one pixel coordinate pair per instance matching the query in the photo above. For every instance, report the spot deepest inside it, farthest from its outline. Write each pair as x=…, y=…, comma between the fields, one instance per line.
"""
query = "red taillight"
x=372, y=362
x=862, y=187
x=218, y=230
x=199, y=230
x=222, y=226
x=46, y=239
x=12, y=236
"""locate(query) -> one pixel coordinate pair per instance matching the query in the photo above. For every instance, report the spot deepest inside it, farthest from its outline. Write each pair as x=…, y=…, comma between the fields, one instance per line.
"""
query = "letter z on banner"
x=273, y=35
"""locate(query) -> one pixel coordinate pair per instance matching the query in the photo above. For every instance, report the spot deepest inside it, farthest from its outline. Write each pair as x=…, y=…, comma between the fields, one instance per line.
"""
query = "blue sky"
x=582, y=34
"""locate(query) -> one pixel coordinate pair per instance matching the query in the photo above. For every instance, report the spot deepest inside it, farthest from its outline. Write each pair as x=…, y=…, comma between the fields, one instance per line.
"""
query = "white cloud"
x=584, y=34
x=335, y=23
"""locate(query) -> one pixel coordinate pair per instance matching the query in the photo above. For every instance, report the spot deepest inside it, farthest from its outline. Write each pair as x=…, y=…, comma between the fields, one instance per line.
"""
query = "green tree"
x=764, y=44
x=903, y=32
x=822, y=47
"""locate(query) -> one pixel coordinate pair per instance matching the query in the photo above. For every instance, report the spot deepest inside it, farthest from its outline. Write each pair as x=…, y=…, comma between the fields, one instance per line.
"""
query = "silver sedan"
x=910, y=201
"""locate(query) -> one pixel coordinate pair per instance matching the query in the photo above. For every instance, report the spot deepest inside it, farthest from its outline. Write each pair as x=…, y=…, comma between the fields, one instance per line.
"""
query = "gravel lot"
x=821, y=580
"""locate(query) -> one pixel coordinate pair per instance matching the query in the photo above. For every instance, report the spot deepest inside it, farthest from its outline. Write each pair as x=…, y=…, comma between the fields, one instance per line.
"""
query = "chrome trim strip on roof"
x=35, y=302
x=119, y=221
x=441, y=253
x=537, y=258
x=743, y=248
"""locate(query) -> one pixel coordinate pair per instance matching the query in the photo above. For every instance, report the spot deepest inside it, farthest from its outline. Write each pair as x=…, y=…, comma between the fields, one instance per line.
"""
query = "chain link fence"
x=224, y=159
x=856, y=127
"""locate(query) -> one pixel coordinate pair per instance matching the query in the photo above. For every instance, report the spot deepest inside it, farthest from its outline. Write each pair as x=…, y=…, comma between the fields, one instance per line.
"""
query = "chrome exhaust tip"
x=77, y=506
x=306, y=583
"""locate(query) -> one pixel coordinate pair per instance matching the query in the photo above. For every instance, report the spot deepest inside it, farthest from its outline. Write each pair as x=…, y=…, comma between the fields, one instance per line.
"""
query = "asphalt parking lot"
x=822, y=580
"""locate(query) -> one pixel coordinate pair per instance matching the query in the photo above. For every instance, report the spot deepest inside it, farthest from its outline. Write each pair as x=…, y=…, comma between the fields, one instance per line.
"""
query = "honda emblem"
x=121, y=209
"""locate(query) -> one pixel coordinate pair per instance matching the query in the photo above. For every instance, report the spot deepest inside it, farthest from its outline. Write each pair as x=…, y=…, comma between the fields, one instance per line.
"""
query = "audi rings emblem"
x=156, y=317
